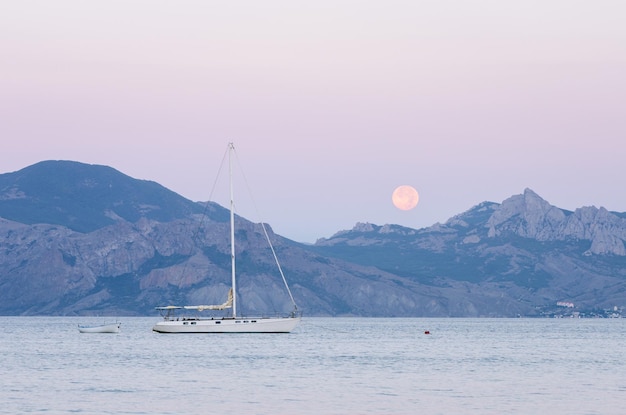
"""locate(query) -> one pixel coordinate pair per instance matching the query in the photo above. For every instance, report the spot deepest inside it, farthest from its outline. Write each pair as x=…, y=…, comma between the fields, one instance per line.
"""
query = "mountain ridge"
x=85, y=197
x=138, y=245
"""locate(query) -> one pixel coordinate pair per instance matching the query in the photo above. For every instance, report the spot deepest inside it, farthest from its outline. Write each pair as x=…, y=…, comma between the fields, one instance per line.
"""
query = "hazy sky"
x=331, y=104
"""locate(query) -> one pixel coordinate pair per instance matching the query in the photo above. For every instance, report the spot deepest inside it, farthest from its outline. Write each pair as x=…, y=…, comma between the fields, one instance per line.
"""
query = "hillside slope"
x=79, y=239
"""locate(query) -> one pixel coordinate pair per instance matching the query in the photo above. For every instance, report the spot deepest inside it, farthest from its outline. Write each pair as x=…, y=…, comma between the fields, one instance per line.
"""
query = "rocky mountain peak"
x=529, y=216
x=605, y=229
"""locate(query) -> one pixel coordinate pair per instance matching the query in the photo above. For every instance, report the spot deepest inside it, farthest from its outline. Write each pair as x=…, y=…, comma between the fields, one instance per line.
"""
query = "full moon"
x=405, y=197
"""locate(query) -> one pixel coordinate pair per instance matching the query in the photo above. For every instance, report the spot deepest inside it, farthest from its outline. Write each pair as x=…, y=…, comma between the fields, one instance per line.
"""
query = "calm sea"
x=326, y=366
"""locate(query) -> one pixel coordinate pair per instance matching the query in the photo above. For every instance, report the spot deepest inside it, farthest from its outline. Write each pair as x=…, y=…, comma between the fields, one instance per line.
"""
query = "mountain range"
x=80, y=239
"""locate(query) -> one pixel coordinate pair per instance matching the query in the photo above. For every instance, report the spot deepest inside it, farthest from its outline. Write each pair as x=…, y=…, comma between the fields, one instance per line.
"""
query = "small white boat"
x=102, y=328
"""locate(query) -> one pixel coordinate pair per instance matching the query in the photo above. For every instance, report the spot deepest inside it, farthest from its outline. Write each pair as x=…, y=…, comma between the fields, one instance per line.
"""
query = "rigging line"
x=210, y=201
x=280, y=269
x=194, y=235
x=219, y=172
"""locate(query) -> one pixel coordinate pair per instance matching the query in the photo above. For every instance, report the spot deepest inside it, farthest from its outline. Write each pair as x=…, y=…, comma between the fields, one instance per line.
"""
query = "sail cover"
x=227, y=304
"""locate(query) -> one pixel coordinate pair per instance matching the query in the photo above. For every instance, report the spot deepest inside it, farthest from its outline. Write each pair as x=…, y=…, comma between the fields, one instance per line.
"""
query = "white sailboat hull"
x=228, y=325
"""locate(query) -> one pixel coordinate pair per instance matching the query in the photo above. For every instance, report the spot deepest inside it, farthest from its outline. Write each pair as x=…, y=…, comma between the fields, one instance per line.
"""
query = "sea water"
x=326, y=366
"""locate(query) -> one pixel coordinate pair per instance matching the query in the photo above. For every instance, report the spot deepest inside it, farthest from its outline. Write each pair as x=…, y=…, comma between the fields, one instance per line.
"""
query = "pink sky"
x=331, y=104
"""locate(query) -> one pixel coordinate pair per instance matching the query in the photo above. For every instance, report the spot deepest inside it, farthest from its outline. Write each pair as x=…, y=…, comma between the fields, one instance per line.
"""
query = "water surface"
x=326, y=366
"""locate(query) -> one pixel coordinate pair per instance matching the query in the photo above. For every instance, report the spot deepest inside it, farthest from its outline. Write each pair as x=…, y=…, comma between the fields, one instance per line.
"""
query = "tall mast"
x=231, y=148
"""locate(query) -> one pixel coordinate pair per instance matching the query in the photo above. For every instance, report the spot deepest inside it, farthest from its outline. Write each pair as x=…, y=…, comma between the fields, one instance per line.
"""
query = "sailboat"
x=234, y=323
